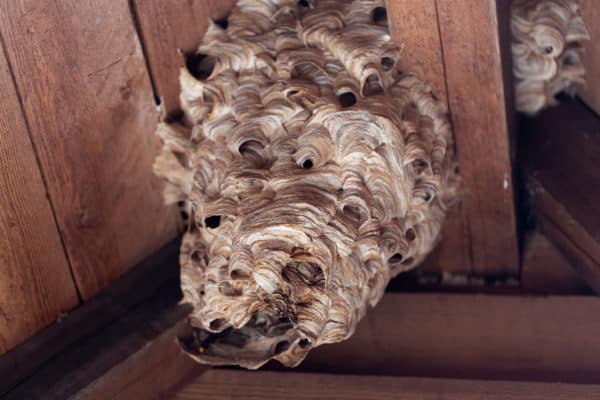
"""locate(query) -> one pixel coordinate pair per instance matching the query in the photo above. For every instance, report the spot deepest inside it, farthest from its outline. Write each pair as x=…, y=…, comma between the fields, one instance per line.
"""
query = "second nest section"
x=313, y=170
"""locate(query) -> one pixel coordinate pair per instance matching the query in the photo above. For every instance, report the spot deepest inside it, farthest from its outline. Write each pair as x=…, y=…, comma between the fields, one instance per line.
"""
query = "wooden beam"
x=591, y=57
x=224, y=384
x=88, y=102
x=477, y=68
x=560, y=154
x=472, y=337
x=429, y=335
x=169, y=29
x=133, y=290
x=36, y=286
x=413, y=26
x=545, y=269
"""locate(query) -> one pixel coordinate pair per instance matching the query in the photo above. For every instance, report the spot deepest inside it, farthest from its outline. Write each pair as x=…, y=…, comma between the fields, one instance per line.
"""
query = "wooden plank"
x=88, y=102
x=544, y=269
x=472, y=337
x=560, y=153
x=36, y=286
x=429, y=335
x=169, y=29
x=135, y=287
x=132, y=321
x=591, y=58
x=478, y=87
x=155, y=371
x=413, y=26
x=223, y=384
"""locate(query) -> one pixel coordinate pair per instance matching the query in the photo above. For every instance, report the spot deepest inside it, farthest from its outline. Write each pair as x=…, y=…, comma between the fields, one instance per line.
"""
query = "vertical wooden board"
x=88, y=101
x=36, y=286
x=169, y=29
x=591, y=57
x=414, y=27
x=478, y=96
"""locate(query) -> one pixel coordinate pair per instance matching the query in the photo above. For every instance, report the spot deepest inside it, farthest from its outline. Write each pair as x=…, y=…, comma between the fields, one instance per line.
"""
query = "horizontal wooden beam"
x=428, y=335
x=128, y=295
x=224, y=384
x=538, y=338
x=122, y=344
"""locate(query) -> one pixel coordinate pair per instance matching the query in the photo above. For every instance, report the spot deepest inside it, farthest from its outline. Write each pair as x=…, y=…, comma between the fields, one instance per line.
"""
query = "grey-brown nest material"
x=546, y=51
x=313, y=171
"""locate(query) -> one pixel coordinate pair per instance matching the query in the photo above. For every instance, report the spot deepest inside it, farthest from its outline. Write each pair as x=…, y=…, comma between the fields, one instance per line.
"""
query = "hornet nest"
x=546, y=51
x=313, y=171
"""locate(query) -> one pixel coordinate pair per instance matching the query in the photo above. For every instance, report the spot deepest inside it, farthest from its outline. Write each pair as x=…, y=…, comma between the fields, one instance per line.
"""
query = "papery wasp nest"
x=546, y=50
x=313, y=171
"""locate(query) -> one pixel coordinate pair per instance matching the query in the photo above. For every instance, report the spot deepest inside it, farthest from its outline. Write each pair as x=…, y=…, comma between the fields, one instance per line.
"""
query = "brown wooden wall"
x=79, y=78
x=591, y=14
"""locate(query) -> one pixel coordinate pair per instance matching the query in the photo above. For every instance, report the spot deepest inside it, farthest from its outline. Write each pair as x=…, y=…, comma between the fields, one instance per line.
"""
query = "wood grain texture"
x=36, y=286
x=561, y=154
x=545, y=269
x=169, y=30
x=131, y=343
x=544, y=339
x=478, y=93
x=472, y=337
x=88, y=102
x=137, y=286
x=591, y=59
x=414, y=27
x=223, y=384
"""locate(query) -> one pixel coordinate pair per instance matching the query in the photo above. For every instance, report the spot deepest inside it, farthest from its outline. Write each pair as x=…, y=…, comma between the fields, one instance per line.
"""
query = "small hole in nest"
x=428, y=197
x=213, y=221
x=395, y=259
x=250, y=146
x=303, y=3
x=200, y=65
x=184, y=217
x=410, y=235
x=347, y=99
x=196, y=257
x=217, y=324
x=387, y=63
x=548, y=49
x=372, y=86
x=238, y=274
x=304, y=343
x=281, y=347
x=380, y=16
x=223, y=23
x=307, y=164
x=420, y=166
x=292, y=92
